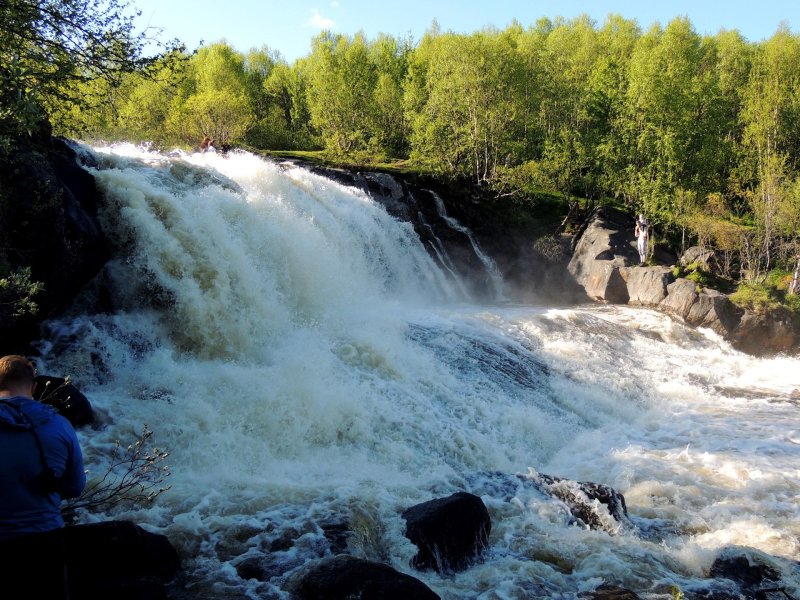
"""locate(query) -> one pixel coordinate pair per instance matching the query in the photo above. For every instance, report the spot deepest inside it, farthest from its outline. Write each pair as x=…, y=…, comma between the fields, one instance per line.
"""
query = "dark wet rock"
x=345, y=577
x=583, y=498
x=114, y=558
x=746, y=569
x=263, y=567
x=285, y=541
x=609, y=592
x=337, y=533
x=449, y=532
x=68, y=400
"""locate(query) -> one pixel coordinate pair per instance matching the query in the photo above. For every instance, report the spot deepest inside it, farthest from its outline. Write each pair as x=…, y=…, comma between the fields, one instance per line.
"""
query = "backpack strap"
x=32, y=429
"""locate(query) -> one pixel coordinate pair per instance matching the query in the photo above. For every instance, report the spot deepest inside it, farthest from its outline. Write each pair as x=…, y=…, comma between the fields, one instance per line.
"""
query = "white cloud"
x=317, y=21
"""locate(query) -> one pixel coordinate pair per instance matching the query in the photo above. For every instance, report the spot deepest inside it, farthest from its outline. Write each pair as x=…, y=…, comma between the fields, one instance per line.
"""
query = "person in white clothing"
x=641, y=236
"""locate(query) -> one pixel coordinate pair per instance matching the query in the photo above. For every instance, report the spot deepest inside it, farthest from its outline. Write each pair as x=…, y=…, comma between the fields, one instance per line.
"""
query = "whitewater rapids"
x=306, y=362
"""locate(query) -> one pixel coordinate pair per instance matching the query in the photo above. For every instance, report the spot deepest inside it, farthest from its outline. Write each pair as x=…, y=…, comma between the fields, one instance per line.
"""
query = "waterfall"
x=305, y=360
x=495, y=276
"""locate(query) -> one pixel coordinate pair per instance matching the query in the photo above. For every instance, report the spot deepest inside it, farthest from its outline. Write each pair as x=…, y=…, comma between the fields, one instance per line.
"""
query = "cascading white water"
x=305, y=362
x=495, y=277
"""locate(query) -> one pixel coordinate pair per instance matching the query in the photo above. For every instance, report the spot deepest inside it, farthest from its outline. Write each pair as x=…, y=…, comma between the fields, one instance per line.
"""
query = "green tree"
x=464, y=119
x=771, y=116
x=289, y=118
x=664, y=97
x=214, y=102
x=48, y=48
x=341, y=84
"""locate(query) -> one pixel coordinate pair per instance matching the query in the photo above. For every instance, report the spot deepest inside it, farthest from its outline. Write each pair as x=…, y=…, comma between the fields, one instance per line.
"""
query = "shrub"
x=17, y=293
x=770, y=295
x=134, y=476
x=694, y=272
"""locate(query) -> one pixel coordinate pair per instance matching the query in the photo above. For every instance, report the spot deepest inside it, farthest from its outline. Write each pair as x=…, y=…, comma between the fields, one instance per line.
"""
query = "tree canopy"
x=49, y=48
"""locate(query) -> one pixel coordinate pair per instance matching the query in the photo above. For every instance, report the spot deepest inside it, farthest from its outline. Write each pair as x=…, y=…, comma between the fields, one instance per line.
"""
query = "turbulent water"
x=307, y=364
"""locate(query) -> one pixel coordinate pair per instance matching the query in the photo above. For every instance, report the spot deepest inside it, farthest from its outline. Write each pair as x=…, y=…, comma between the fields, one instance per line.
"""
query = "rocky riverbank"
x=605, y=264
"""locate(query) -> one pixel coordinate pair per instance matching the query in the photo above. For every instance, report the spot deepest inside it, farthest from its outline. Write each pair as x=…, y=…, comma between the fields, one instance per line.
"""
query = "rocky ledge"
x=603, y=263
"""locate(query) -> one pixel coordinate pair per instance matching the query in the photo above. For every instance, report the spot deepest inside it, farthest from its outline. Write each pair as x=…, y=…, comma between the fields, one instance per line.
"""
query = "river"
x=306, y=362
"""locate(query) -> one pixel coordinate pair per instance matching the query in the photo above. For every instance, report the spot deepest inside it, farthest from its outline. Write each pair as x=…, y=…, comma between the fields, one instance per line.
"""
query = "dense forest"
x=700, y=133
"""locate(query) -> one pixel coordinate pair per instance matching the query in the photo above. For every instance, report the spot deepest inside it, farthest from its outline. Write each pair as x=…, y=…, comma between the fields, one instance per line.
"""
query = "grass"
x=704, y=279
x=770, y=295
x=398, y=166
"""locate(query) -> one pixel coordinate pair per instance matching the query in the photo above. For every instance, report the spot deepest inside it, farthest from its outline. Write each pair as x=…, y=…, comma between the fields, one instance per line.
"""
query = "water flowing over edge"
x=307, y=363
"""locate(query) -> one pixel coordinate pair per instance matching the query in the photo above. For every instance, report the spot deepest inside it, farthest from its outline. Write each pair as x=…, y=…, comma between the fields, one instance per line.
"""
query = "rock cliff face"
x=602, y=264
x=48, y=217
x=436, y=208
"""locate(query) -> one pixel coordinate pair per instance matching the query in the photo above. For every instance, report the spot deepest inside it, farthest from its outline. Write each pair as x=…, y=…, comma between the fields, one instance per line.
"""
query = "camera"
x=47, y=482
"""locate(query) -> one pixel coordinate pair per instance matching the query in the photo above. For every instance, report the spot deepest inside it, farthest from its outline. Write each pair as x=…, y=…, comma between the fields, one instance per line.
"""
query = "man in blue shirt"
x=40, y=463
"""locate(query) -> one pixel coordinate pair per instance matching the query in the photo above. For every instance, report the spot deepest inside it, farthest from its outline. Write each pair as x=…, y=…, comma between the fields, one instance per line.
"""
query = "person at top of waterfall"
x=640, y=231
x=41, y=464
x=204, y=143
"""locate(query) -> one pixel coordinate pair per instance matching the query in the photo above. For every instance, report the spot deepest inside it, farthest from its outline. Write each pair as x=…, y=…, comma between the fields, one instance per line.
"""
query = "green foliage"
x=703, y=278
x=50, y=48
x=469, y=117
x=769, y=295
x=17, y=293
x=354, y=93
x=698, y=132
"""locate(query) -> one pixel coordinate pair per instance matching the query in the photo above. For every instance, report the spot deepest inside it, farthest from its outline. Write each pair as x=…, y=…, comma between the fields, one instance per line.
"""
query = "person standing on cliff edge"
x=40, y=463
x=640, y=231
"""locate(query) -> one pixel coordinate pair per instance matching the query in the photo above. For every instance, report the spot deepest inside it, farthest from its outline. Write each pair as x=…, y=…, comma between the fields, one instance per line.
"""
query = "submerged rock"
x=584, y=498
x=449, y=532
x=609, y=592
x=744, y=568
x=344, y=577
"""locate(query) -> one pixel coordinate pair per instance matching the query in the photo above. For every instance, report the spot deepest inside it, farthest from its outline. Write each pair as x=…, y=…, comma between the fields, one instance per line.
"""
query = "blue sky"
x=289, y=25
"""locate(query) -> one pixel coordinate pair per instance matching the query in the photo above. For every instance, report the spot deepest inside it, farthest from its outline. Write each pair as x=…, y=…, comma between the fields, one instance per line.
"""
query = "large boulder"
x=714, y=310
x=702, y=257
x=118, y=559
x=449, y=532
x=344, y=577
x=68, y=400
x=681, y=295
x=604, y=247
x=759, y=333
x=647, y=286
